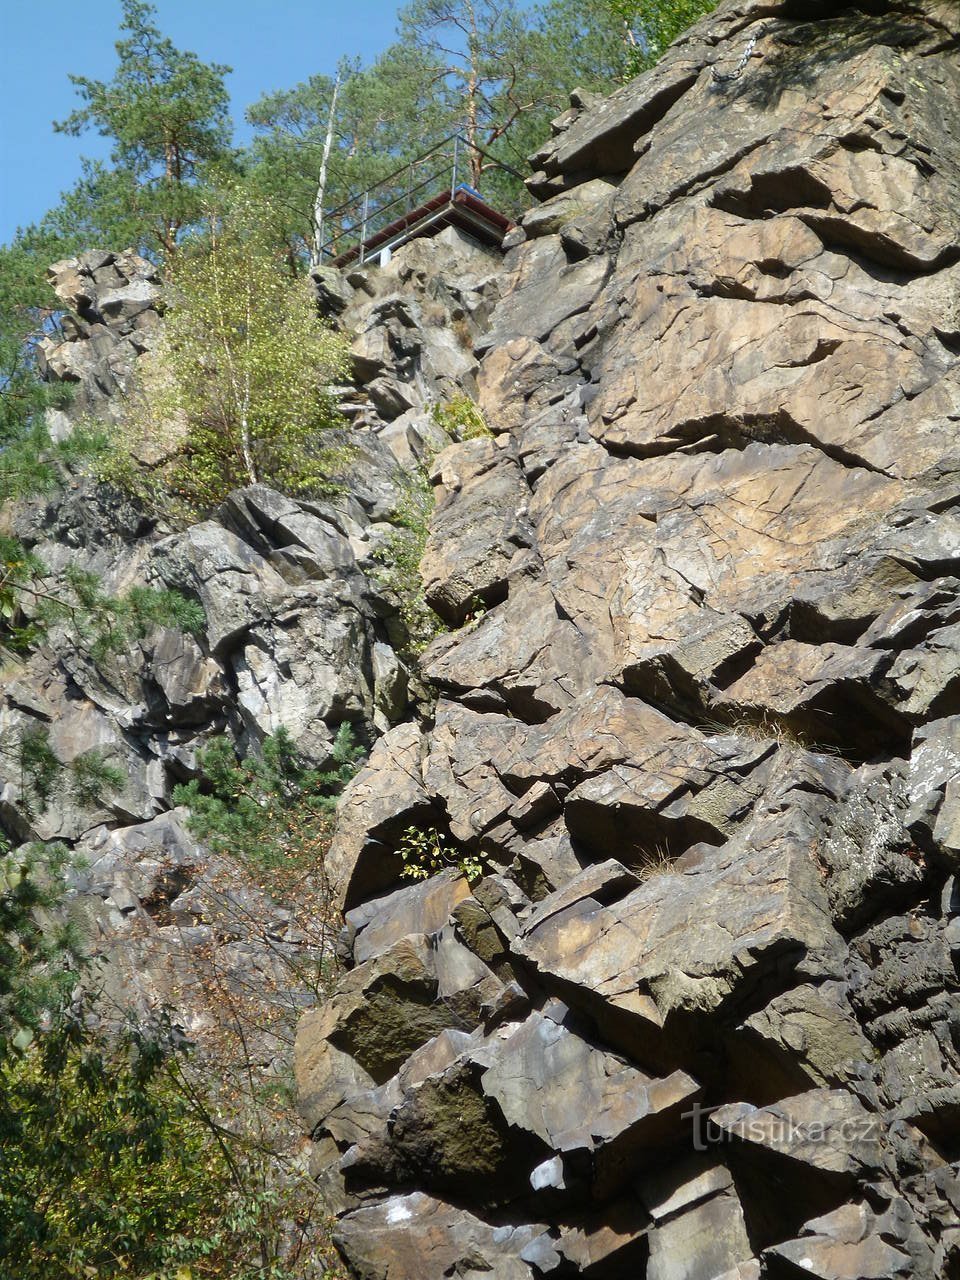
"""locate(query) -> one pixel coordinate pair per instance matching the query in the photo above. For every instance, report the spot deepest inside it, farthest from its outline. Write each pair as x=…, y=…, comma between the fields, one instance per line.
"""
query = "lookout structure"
x=419, y=199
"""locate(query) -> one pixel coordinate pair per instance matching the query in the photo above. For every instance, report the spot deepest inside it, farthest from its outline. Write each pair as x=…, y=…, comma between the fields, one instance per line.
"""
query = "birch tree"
x=328, y=138
x=248, y=364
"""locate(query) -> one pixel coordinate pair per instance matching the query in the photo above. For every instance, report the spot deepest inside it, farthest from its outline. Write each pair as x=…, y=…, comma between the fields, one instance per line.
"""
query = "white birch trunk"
x=316, y=257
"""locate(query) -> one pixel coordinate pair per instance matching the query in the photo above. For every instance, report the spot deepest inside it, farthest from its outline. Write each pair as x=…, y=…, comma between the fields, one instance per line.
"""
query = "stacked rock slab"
x=698, y=1018
x=412, y=323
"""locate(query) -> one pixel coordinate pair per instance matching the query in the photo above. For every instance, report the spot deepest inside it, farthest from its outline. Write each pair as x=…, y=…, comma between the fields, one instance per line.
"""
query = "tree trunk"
x=316, y=250
x=473, y=96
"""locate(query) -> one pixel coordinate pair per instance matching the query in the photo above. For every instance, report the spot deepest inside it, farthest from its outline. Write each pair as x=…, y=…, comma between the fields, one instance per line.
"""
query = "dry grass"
x=652, y=862
x=762, y=727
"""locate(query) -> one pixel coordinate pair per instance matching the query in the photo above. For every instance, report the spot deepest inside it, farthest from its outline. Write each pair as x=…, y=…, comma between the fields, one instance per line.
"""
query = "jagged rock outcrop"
x=299, y=633
x=699, y=1016
x=412, y=325
x=112, y=320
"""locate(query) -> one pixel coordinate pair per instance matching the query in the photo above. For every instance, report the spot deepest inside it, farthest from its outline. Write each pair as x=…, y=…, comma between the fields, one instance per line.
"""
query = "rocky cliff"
x=699, y=710
x=301, y=632
x=683, y=1003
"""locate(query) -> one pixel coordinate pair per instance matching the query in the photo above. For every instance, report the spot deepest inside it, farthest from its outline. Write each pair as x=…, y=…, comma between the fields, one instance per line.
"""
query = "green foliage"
x=39, y=952
x=497, y=72
x=271, y=809
x=39, y=767
x=96, y=621
x=427, y=852
x=399, y=556
x=109, y=624
x=114, y=1165
x=373, y=117
x=461, y=419
x=652, y=28
x=92, y=777
x=167, y=114
x=20, y=570
x=247, y=364
x=28, y=308
x=32, y=463
x=115, y=1161
x=88, y=779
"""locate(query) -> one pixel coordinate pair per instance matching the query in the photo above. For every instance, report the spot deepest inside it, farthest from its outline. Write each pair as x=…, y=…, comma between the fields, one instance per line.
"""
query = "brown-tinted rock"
x=417, y=908
x=852, y=1243
x=372, y=816
x=762, y=920
x=387, y=1007
x=476, y=529
x=702, y=739
x=580, y=1101
x=698, y=1230
x=415, y=1235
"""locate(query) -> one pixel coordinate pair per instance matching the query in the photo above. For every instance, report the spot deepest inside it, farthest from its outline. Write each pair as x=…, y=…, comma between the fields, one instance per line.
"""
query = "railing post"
x=363, y=227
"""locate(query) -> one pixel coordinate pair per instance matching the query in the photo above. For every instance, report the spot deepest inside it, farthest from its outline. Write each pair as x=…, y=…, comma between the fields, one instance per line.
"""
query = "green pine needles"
x=88, y=780
x=40, y=955
x=96, y=621
x=270, y=810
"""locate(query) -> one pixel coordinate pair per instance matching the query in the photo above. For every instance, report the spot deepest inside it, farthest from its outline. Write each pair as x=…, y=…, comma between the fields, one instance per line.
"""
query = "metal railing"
x=368, y=214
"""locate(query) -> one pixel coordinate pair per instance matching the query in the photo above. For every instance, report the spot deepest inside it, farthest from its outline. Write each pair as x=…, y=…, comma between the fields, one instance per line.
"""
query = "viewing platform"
x=418, y=199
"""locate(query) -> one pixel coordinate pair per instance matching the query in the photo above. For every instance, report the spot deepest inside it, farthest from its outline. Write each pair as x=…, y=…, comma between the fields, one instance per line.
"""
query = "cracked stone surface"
x=697, y=718
x=683, y=1004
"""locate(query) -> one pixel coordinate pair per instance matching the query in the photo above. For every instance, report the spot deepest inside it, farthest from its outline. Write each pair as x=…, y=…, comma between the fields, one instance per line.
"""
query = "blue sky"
x=271, y=44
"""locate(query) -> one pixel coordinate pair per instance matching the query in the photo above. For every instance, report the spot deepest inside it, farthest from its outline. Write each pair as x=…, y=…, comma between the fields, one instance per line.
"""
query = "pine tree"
x=167, y=115
x=652, y=27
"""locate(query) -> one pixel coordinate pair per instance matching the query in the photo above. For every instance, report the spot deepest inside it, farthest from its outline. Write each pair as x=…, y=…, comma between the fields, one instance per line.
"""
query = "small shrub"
x=88, y=779
x=92, y=777
x=39, y=766
x=425, y=852
x=40, y=954
x=95, y=621
x=33, y=463
x=461, y=419
x=400, y=556
x=763, y=726
x=270, y=810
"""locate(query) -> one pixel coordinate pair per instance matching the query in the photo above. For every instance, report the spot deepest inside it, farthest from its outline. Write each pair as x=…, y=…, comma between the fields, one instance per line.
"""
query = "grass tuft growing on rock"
x=461, y=419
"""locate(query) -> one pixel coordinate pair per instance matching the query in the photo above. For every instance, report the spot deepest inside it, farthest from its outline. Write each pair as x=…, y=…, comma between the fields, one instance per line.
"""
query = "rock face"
x=698, y=1017
x=299, y=632
x=412, y=324
x=112, y=320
